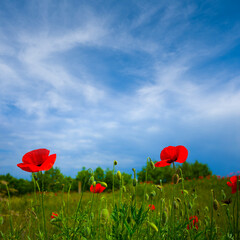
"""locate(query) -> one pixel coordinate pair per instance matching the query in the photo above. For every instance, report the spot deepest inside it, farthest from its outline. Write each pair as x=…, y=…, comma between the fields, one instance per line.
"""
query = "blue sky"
x=97, y=81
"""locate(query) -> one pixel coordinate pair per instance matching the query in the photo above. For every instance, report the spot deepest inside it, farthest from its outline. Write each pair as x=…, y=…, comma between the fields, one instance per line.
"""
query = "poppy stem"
x=43, y=209
x=145, y=182
x=237, y=208
x=113, y=182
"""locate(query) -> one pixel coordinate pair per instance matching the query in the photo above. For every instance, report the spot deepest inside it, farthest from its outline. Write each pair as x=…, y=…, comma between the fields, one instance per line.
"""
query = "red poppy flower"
x=37, y=160
x=97, y=189
x=54, y=215
x=172, y=154
x=233, y=184
x=151, y=207
x=194, y=222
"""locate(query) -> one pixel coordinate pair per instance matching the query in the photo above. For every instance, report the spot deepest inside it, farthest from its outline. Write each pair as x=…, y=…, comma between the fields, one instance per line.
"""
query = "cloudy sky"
x=97, y=81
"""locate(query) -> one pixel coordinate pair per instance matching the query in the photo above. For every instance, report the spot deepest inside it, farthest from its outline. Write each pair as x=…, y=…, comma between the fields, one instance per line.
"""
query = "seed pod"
x=91, y=180
x=153, y=226
x=115, y=162
x=146, y=196
x=94, y=183
x=152, y=164
x=153, y=194
x=216, y=204
x=103, y=184
x=105, y=214
x=119, y=176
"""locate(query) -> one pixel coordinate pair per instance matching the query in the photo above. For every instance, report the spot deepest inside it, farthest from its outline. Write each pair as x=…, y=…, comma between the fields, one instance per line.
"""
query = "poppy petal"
x=182, y=154
x=162, y=163
x=169, y=152
x=36, y=157
x=92, y=188
x=233, y=179
x=49, y=162
x=229, y=184
x=29, y=167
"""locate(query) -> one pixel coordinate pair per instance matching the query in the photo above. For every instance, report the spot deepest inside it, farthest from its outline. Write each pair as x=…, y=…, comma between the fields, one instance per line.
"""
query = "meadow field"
x=202, y=208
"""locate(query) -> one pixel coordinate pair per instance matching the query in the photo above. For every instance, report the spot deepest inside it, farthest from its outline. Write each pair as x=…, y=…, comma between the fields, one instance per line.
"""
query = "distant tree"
x=99, y=174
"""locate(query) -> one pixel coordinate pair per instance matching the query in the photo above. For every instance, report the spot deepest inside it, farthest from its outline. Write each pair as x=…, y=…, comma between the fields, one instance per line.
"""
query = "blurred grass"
x=24, y=208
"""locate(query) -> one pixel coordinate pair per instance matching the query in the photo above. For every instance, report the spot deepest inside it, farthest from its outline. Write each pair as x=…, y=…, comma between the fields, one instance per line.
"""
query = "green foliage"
x=189, y=170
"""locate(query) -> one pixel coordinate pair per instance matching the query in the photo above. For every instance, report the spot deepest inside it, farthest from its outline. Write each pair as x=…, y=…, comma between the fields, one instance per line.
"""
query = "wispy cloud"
x=111, y=85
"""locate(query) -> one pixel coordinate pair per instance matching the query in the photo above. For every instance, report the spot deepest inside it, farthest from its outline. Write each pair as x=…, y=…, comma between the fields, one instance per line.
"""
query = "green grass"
x=125, y=220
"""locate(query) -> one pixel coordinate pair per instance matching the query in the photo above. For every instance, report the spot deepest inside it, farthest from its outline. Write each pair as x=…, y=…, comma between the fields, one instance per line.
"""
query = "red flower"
x=233, y=184
x=97, y=189
x=194, y=222
x=151, y=207
x=172, y=154
x=37, y=160
x=200, y=177
x=54, y=215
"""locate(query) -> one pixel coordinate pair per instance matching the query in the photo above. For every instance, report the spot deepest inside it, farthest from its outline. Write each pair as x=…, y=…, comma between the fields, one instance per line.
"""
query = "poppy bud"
x=105, y=214
x=159, y=187
x=103, y=184
x=119, y=176
x=175, y=205
x=189, y=205
x=124, y=189
x=4, y=182
x=216, y=204
x=146, y=196
x=152, y=164
x=1, y=220
x=134, y=182
x=164, y=217
x=115, y=162
x=175, y=178
x=223, y=194
x=206, y=209
x=88, y=231
x=178, y=199
x=181, y=213
x=153, y=226
x=153, y=194
x=91, y=180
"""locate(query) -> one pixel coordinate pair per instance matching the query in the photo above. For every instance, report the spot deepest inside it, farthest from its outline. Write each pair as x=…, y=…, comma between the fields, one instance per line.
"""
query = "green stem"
x=145, y=184
x=78, y=208
x=68, y=202
x=211, y=231
x=43, y=209
x=113, y=183
x=184, y=199
x=237, y=223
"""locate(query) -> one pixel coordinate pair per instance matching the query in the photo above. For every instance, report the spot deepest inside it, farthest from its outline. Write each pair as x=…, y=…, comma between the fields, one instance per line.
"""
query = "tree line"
x=55, y=181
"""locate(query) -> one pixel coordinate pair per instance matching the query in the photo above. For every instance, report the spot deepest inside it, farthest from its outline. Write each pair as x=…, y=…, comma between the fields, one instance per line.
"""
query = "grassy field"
x=130, y=218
